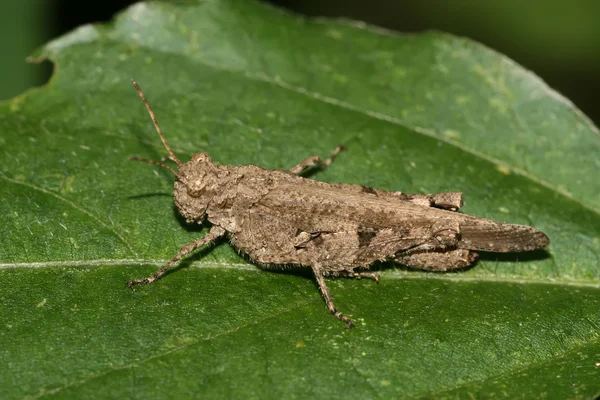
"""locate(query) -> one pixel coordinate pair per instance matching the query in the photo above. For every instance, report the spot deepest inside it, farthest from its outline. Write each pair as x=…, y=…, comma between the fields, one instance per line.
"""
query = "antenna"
x=147, y=160
x=172, y=155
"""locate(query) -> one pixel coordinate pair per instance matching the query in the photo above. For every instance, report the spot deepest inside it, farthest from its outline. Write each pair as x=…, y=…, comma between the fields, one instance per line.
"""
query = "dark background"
x=559, y=41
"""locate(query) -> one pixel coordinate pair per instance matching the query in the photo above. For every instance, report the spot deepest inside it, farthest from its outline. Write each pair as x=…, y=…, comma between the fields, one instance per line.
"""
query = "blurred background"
x=559, y=41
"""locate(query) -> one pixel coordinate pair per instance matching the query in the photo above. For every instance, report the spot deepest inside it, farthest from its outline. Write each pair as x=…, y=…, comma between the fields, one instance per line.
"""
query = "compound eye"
x=201, y=157
x=196, y=190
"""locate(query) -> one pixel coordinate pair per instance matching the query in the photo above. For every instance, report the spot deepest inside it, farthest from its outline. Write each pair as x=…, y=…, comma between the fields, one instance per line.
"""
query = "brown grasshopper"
x=281, y=218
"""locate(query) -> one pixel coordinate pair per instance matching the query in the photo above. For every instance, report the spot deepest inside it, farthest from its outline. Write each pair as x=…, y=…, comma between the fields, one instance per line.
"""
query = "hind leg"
x=440, y=260
x=440, y=252
x=445, y=235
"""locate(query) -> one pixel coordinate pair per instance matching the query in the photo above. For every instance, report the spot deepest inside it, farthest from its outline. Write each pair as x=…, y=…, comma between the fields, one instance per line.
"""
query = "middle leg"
x=319, y=275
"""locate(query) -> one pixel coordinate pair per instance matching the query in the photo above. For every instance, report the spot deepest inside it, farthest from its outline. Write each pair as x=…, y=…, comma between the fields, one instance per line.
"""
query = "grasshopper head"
x=194, y=186
x=192, y=178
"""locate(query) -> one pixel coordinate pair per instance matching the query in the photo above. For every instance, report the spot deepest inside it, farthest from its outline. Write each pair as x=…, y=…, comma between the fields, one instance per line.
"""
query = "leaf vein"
x=391, y=275
x=75, y=206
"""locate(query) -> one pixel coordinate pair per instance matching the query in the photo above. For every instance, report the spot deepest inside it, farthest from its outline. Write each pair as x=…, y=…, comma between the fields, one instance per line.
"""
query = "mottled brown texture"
x=280, y=218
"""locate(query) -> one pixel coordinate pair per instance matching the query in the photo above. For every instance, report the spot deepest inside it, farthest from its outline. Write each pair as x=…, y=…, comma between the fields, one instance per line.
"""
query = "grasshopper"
x=279, y=217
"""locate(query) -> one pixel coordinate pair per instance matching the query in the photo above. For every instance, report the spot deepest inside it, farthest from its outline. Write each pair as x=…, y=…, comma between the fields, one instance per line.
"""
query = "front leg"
x=316, y=161
x=215, y=232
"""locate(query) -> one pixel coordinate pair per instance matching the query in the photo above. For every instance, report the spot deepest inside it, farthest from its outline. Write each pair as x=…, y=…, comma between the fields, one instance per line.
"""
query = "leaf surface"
x=253, y=85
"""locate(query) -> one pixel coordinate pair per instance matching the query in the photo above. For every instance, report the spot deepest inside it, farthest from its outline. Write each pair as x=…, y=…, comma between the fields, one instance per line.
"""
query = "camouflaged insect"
x=281, y=218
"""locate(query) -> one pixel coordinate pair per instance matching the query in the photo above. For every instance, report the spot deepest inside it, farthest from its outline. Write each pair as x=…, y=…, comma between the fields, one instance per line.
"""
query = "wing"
x=332, y=208
x=338, y=208
x=486, y=235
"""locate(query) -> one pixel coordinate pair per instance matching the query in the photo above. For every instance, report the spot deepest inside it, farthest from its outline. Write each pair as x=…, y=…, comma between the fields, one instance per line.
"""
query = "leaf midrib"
x=395, y=275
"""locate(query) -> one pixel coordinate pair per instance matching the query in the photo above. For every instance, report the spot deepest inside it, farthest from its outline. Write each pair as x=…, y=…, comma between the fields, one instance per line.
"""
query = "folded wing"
x=328, y=208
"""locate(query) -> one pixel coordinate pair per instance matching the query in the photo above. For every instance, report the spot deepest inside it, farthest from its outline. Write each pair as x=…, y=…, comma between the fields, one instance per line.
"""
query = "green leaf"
x=253, y=85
